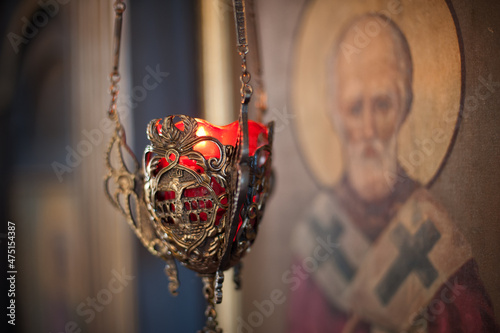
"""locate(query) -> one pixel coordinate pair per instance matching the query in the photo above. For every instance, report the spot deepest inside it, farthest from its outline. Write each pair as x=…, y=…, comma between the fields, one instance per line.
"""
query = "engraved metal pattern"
x=199, y=243
x=165, y=227
x=196, y=243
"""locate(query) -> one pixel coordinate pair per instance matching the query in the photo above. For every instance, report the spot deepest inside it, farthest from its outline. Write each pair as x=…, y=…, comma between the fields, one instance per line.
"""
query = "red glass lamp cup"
x=190, y=188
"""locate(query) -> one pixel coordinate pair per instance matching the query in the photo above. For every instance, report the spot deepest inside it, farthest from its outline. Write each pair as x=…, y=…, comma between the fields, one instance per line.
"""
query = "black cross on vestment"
x=339, y=259
x=413, y=251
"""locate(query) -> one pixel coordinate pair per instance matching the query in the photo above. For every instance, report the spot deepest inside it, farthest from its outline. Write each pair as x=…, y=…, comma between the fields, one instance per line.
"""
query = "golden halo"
x=429, y=130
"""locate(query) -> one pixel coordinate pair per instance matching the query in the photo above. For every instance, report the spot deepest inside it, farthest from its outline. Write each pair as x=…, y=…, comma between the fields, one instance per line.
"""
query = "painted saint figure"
x=399, y=264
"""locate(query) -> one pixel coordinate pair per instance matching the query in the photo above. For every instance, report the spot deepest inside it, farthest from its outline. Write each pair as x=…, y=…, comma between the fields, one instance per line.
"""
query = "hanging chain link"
x=242, y=44
x=114, y=77
x=244, y=11
x=211, y=325
x=246, y=90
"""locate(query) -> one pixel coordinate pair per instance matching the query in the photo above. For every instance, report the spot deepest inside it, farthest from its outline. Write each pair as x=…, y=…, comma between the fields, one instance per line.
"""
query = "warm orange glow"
x=201, y=131
x=227, y=135
x=202, y=145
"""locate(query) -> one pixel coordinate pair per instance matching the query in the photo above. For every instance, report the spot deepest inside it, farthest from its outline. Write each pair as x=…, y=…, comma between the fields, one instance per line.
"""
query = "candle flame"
x=201, y=132
x=202, y=145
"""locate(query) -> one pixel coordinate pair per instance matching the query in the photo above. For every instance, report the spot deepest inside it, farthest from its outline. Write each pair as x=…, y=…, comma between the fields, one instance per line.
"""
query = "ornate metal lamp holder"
x=201, y=192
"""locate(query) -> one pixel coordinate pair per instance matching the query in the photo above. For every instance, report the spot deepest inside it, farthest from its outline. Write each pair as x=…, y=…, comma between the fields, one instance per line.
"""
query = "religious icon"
x=388, y=257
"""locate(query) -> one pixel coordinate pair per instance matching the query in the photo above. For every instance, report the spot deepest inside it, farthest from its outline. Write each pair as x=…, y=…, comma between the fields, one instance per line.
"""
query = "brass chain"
x=246, y=90
x=119, y=7
x=211, y=325
x=242, y=47
x=244, y=11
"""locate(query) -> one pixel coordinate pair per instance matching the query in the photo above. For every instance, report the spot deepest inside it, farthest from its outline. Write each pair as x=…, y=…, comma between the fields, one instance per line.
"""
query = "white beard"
x=368, y=164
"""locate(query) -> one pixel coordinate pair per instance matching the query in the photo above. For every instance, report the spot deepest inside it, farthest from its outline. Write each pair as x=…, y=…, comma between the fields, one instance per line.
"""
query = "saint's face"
x=370, y=103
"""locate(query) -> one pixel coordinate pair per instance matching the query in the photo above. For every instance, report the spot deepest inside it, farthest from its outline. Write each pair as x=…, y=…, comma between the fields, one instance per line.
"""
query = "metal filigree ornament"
x=201, y=192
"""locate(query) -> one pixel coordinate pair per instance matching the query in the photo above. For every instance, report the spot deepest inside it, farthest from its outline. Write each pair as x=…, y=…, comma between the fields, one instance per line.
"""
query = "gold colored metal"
x=201, y=245
x=123, y=188
x=173, y=225
x=196, y=245
x=114, y=77
x=210, y=312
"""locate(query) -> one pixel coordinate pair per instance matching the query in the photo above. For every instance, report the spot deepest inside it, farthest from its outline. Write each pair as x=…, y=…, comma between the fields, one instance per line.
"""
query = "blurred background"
x=71, y=244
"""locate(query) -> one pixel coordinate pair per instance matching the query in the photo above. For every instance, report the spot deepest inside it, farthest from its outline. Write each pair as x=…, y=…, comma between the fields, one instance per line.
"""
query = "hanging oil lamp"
x=200, y=193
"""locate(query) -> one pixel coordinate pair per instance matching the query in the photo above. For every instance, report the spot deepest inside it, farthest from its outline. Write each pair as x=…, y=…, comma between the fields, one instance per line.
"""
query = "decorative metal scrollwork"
x=200, y=194
x=182, y=204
